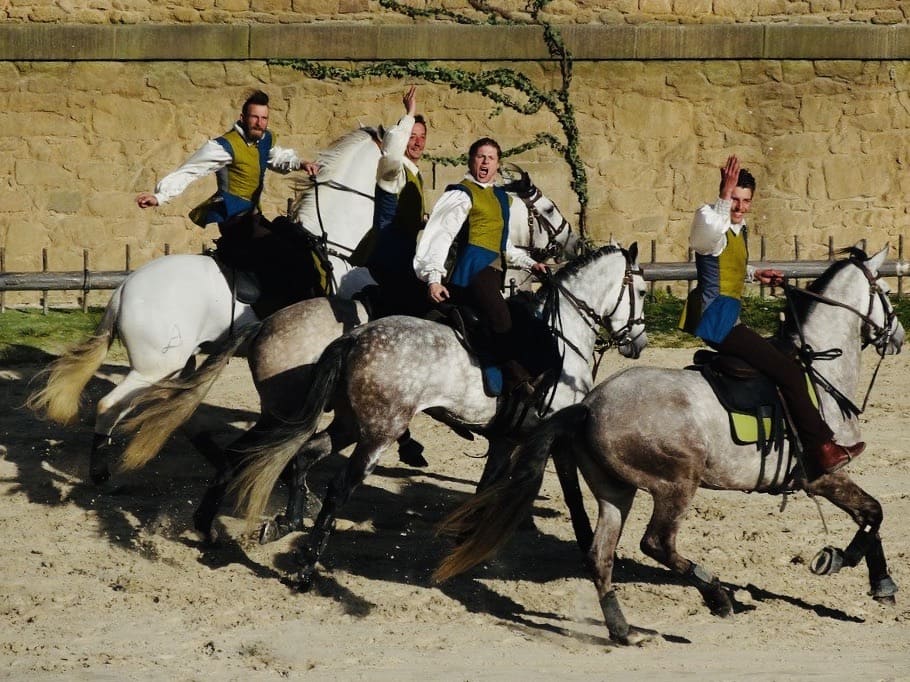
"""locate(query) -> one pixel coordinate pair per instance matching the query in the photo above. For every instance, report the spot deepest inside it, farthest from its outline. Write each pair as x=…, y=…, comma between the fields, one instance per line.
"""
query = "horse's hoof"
x=718, y=601
x=636, y=636
x=829, y=560
x=208, y=536
x=883, y=591
x=305, y=579
x=99, y=477
x=268, y=532
x=411, y=454
x=106, y=487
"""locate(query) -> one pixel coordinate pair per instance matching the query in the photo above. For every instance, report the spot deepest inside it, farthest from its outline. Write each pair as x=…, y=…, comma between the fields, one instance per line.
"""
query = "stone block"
x=650, y=117
x=819, y=113
x=852, y=176
x=271, y=6
x=64, y=201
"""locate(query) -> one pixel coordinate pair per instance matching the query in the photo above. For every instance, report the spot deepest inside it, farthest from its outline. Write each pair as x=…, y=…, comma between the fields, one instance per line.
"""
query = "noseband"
x=554, y=247
x=619, y=336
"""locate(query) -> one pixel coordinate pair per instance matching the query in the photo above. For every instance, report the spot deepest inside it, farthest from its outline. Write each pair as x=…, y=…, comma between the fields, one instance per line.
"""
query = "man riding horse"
x=248, y=241
x=718, y=238
x=478, y=210
x=399, y=215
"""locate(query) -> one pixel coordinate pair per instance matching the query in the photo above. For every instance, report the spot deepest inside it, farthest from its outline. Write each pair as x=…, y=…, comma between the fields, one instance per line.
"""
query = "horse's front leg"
x=567, y=471
x=361, y=463
x=98, y=466
x=866, y=511
x=333, y=439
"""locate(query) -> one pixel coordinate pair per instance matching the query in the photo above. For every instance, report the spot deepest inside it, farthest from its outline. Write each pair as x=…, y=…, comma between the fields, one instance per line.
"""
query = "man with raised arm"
x=400, y=214
x=239, y=158
x=718, y=238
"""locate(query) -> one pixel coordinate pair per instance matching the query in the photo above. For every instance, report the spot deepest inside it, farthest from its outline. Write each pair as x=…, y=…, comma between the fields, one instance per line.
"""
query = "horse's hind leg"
x=602, y=556
x=361, y=463
x=659, y=543
x=111, y=409
x=866, y=544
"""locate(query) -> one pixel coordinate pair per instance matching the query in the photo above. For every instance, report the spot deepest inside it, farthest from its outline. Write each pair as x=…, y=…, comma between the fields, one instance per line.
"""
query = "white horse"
x=169, y=309
x=379, y=375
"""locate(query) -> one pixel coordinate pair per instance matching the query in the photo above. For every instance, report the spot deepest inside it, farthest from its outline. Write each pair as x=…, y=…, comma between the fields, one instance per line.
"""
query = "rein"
x=324, y=237
x=880, y=340
x=591, y=317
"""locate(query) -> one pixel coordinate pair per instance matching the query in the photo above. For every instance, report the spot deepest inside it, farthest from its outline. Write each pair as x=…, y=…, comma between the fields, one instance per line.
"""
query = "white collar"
x=468, y=176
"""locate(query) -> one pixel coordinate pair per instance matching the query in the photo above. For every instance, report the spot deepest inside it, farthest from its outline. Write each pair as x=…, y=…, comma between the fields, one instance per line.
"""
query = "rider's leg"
x=815, y=435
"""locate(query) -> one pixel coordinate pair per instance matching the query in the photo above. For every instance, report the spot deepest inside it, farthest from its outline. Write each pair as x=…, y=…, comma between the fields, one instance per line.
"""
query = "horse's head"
x=549, y=234
x=611, y=301
x=853, y=284
x=881, y=328
x=346, y=181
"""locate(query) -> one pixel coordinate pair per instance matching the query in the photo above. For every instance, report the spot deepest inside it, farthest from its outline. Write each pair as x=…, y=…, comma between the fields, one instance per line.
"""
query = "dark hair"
x=257, y=97
x=746, y=181
x=484, y=142
x=418, y=118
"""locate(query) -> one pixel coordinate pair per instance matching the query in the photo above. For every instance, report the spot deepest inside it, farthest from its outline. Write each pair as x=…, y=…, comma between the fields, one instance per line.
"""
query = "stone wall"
x=558, y=11
x=826, y=138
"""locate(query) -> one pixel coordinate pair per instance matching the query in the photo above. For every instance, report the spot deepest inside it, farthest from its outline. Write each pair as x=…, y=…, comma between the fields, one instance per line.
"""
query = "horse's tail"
x=262, y=464
x=66, y=377
x=163, y=407
x=490, y=517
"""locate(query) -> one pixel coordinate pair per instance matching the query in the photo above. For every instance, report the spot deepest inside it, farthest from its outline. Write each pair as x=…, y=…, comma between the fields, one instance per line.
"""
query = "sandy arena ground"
x=119, y=588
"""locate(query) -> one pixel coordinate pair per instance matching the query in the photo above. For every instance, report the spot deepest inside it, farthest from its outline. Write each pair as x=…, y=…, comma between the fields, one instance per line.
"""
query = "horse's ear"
x=633, y=253
x=875, y=262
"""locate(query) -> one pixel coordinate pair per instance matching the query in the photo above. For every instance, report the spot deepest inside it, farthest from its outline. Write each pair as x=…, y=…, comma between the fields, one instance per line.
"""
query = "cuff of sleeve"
x=723, y=206
x=434, y=278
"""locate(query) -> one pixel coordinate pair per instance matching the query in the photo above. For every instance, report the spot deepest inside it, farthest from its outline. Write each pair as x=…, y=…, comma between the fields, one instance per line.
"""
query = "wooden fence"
x=85, y=280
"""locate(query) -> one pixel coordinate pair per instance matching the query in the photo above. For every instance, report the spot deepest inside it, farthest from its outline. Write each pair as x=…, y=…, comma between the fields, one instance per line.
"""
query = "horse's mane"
x=333, y=160
x=577, y=263
x=803, y=305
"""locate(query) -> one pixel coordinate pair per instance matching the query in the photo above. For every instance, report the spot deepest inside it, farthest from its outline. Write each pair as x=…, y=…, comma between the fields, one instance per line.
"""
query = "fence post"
x=85, y=276
x=690, y=254
x=796, y=252
x=2, y=269
x=167, y=249
x=653, y=260
x=900, y=257
x=126, y=258
x=44, y=269
x=761, y=256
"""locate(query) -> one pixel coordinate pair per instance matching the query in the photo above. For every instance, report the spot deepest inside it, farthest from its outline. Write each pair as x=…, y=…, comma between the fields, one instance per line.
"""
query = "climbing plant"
x=505, y=87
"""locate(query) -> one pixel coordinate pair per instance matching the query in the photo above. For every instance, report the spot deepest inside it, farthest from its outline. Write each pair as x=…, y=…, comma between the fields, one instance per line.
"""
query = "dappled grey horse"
x=378, y=376
x=664, y=431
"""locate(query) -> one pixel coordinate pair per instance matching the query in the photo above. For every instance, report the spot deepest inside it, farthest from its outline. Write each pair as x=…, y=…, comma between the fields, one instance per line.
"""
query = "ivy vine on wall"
x=505, y=87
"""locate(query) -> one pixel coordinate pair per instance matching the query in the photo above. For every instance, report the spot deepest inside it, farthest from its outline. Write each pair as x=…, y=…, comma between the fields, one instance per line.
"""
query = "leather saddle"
x=752, y=400
x=538, y=353
x=244, y=284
